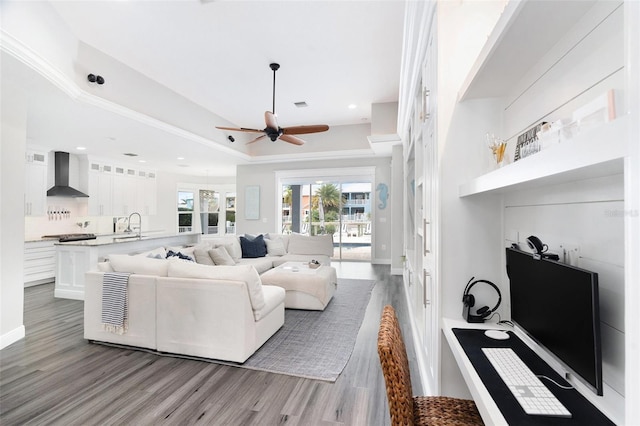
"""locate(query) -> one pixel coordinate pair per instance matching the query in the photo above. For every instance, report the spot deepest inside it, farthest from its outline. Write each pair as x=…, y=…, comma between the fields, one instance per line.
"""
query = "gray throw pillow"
x=202, y=257
x=221, y=256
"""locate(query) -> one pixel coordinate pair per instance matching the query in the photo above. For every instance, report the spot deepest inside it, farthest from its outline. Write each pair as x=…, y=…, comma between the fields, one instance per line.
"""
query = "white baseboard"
x=381, y=261
x=69, y=294
x=12, y=337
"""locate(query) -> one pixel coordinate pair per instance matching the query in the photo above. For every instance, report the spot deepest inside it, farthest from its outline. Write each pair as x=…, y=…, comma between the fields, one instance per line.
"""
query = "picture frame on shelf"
x=526, y=143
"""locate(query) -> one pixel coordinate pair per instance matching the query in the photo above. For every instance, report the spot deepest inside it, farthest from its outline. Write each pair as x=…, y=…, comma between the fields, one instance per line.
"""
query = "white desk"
x=491, y=394
x=491, y=414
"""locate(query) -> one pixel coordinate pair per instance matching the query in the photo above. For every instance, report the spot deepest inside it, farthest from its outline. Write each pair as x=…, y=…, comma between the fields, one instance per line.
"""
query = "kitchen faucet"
x=139, y=224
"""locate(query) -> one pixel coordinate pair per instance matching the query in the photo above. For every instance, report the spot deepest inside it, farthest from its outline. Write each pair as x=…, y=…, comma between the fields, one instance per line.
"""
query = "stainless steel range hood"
x=61, y=186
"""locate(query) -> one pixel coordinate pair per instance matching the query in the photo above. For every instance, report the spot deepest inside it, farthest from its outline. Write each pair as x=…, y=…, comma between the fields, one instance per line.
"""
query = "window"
x=206, y=209
x=330, y=201
x=185, y=211
x=209, y=211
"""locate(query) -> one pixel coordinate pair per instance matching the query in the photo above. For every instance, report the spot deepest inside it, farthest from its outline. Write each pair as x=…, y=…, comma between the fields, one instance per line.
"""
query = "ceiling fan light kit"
x=272, y=130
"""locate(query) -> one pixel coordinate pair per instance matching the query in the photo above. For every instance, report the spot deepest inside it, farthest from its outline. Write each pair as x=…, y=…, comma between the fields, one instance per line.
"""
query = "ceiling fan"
x=273, y=131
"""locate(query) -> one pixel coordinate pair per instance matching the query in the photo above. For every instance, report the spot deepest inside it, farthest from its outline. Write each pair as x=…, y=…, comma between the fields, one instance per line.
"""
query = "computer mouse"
x=497, y=334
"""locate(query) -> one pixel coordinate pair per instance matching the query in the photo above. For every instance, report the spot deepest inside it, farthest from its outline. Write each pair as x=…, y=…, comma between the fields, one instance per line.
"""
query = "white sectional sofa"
x=205, y=310
x=184, y=308
x=281, y=248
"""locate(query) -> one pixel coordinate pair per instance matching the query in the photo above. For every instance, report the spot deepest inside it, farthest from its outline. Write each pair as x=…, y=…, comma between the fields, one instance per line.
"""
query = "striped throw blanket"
x=115, y=297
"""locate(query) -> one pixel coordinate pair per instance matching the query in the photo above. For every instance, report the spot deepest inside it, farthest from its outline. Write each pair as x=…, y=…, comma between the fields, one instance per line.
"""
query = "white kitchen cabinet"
x=100, y=183
x=124, y=191
x=35, y=194
x=72, y=263
x=146, y=192
x=39, y=262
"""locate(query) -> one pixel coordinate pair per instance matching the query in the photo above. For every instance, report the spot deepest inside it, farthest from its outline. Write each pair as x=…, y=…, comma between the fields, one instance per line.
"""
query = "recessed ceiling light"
x=352, y=106
x=142, y=161
x=180, y=158
x=80, y=148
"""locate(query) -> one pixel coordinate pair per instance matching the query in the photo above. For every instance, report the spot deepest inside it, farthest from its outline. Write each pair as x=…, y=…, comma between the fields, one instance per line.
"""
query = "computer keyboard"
x=531, y=394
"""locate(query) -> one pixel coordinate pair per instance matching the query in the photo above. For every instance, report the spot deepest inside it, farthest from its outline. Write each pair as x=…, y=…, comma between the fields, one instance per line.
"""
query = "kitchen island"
x=74, y=258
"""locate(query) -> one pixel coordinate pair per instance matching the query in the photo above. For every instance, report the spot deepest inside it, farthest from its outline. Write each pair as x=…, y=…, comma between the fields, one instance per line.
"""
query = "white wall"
x=397, y=211
x=585, y=215
x=474, y=228
x=12, y=182
x=265, y=176
x=167, y=197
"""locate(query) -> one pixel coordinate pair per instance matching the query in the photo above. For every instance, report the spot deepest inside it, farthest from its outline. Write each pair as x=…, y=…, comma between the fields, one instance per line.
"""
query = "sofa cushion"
x=253, y=248
x=230, y=242
x=304, y=244
x=245, y=273
x=202, y=257
x=275, y=247
x=283, y=237
x=189, y=250
x=139, y=265
x=262, y=264
x=221, y=256
x=277, y=261
x=273, y=297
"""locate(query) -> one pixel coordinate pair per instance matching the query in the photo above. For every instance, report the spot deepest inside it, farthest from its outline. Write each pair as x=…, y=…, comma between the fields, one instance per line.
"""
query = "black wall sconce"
x=95, y=79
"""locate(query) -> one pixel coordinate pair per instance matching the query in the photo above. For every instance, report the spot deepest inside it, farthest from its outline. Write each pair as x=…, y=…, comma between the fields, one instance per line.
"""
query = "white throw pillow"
x=275, y=247
x=139, y=265
x=189, y=250
x=105, y=267
x=202, y=257
x=304, y=244
x=154, y=253
x=221, y=256
x=231, y=243
x=245, y=273
x=283, y=237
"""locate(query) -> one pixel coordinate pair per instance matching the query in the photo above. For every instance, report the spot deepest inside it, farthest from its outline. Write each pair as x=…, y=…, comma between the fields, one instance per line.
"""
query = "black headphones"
x=469, y=301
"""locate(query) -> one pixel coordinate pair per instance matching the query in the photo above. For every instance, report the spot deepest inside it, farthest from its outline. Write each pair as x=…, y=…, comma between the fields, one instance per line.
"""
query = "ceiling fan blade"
x=257, y=139
x=292, y=139
x=240, y=129
x=300, y=130
x=270, y=120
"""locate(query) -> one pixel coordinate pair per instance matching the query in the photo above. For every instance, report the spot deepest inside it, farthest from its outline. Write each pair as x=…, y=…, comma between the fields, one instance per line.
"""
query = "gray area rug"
x=310, y=344
x=317, y=344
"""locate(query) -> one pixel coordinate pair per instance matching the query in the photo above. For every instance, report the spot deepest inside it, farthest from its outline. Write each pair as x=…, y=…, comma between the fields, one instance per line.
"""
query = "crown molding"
x=314, y=156
x=33, y=60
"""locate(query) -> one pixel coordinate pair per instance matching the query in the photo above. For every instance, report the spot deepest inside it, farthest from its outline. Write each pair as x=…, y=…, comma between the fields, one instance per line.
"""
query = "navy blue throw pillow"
x=253, y=248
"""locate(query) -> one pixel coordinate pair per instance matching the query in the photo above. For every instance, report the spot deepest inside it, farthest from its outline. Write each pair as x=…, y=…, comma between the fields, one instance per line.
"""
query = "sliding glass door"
x=341, y=209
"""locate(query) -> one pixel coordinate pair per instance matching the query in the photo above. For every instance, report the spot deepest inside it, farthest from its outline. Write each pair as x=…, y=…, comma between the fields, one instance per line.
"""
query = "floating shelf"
x=600, y=152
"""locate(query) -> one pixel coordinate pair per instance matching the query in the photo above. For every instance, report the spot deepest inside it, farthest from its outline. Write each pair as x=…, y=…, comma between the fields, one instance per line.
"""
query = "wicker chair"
x=404, y=408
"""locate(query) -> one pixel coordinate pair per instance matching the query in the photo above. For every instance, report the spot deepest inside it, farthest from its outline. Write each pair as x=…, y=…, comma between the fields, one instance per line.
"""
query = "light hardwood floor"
x=54, y=376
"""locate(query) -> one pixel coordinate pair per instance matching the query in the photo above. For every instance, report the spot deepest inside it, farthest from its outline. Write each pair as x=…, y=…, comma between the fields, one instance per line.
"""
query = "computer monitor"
x=557, y=306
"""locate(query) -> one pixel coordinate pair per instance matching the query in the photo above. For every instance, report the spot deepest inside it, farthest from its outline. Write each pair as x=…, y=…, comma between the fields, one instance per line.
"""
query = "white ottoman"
x=305, y=288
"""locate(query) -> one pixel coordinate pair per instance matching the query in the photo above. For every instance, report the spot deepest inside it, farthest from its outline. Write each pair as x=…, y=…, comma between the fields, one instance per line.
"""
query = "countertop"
x=103, y=240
